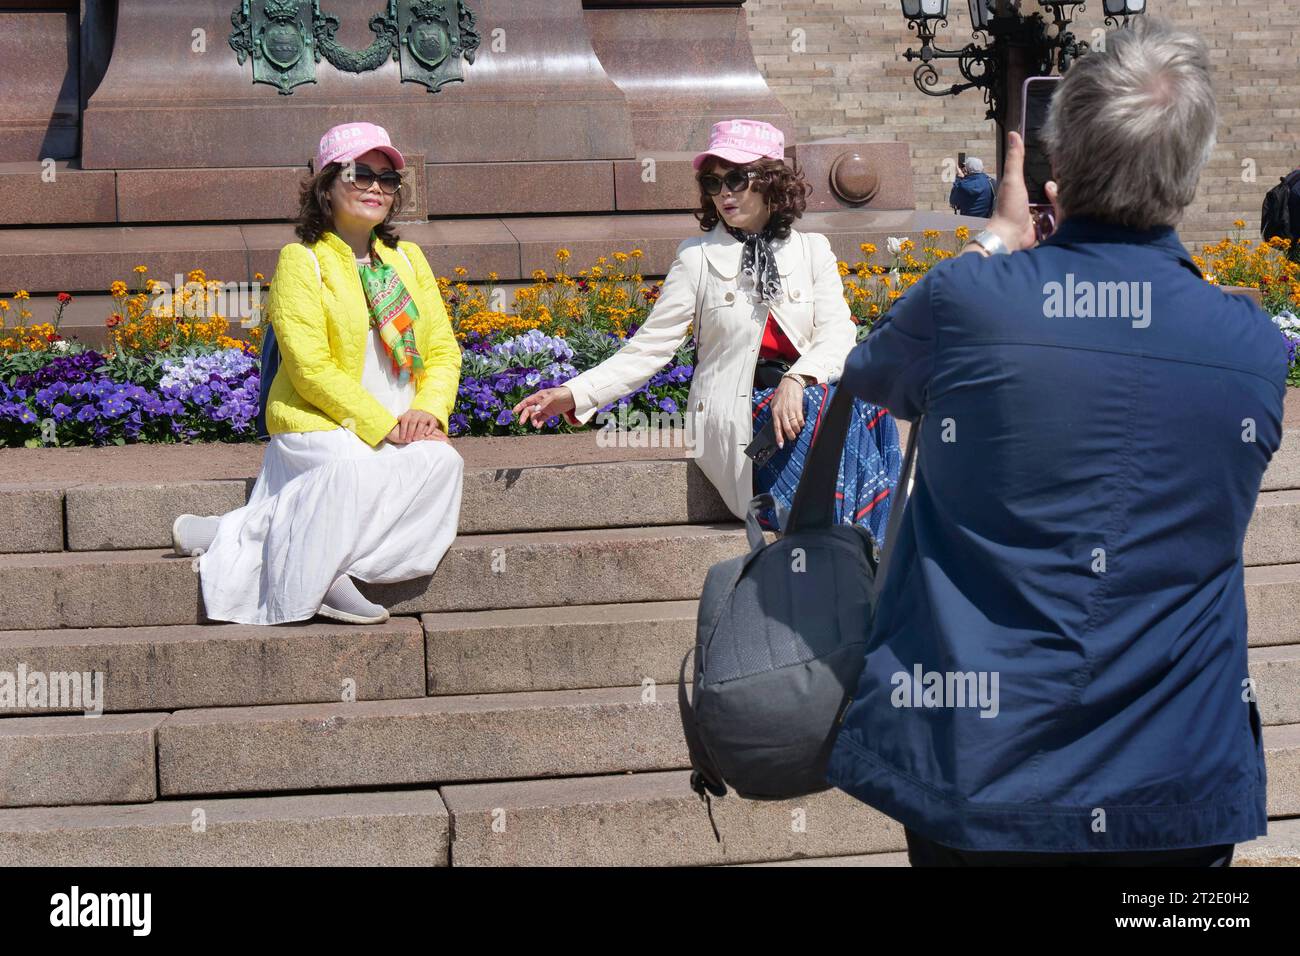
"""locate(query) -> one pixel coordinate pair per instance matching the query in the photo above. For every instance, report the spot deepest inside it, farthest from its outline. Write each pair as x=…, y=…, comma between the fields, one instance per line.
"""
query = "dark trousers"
x=923, y=852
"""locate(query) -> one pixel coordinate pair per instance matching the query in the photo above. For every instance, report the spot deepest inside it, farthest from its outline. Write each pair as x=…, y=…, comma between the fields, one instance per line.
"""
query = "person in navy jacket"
x=972, y=192
x=1057, y=669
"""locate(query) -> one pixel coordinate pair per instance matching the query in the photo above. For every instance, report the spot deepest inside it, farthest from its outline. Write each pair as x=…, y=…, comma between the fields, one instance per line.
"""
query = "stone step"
x=1273, y=536
x=643, y=819
x=122, y=588
x=184, y=667
x=612, y=645
x=225, y=665
x=598, y=645
x=1272, y=596
x=473, y=738
x=604, y=566
x=431, y=740
x=135, y=514
x=495, y=500
x=401, y=828
x=60, y=760
x=78, y=259
x=652, y=819
x=1280, y=847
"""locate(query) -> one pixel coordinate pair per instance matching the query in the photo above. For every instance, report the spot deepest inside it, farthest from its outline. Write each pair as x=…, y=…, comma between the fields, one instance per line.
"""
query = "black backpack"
x=1275, y=216
x=778, y=654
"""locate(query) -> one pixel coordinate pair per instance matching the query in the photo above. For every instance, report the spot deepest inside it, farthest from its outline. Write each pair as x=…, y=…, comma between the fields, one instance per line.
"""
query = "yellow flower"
x=1239, y=223
x=930, y=234
x=563, y=255
x=141, y=269
x=963, y=235
x=258, y=276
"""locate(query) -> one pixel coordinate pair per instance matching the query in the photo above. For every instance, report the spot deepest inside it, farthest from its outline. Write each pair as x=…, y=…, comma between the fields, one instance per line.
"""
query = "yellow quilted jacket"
x=321, y=326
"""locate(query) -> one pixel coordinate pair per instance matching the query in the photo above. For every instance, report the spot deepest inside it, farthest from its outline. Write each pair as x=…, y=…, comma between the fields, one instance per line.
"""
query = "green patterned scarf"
x=393, y=313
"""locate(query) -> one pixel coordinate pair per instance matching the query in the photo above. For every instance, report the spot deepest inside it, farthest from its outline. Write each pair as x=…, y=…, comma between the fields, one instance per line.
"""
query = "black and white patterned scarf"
x=758, y=262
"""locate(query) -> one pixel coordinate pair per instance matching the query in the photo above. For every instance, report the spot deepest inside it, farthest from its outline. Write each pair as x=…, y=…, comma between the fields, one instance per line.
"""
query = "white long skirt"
x=325, y=504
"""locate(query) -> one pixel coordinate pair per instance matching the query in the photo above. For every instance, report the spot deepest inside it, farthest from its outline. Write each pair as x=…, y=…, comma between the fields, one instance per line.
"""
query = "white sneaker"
x=193, y=532
x=349, y=605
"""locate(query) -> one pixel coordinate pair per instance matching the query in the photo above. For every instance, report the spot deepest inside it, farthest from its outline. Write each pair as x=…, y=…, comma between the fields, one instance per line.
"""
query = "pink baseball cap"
x=743, y=141
x=350, y=140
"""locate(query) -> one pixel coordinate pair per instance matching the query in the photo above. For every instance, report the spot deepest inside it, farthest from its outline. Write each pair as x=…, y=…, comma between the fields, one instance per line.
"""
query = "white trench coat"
x=729, y=331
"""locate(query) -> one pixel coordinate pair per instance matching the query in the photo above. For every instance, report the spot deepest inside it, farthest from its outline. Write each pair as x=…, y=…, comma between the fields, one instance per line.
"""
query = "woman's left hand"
x=787, y=411
x=416, y=425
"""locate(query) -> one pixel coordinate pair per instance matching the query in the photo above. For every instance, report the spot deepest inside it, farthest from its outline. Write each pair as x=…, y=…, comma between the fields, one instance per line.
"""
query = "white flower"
x=895, y=245
x=61, y=345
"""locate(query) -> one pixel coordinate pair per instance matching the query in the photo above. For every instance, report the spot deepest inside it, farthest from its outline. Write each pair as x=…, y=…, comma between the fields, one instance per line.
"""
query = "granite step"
x=399, y=828
x=495, y=500
x=645, y=819
x=48, y=761
x=88, y=589
x=652, y=819
x=473, y=738
x=77, y=259
x=514, y=484
x=610, y=645
x=431, y=740
x=1280, y=847
x=136, y=516
x=1273, y=536
x=186, y=666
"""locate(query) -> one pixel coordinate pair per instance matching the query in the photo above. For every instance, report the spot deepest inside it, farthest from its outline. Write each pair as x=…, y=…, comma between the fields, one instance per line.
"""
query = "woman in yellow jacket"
x=359, y=478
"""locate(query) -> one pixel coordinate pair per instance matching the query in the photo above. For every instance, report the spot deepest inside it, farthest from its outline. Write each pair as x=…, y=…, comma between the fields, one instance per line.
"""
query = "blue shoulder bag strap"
x=271, y=360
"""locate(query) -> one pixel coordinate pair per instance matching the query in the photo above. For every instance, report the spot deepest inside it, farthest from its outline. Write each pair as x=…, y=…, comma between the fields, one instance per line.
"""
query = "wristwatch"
x=992, y=243
x=800, y=379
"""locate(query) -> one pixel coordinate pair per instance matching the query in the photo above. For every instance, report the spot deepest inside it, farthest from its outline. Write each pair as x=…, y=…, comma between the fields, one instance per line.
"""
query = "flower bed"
x=174, y=374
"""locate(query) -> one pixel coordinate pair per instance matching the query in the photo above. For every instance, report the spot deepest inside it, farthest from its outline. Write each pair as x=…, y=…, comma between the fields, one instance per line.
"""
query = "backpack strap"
x=407, y=258
x=699, y=296
x=705, y=778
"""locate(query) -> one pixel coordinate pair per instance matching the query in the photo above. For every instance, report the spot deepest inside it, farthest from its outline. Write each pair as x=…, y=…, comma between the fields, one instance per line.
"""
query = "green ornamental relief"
x=285, y=39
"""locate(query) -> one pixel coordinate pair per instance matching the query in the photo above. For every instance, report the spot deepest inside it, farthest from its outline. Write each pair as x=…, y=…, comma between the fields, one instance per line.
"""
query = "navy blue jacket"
x=972, y=195
x=1076, y=527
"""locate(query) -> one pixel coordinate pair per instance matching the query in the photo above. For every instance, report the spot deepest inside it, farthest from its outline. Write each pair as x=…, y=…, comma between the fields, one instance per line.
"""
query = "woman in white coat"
x=772, y=332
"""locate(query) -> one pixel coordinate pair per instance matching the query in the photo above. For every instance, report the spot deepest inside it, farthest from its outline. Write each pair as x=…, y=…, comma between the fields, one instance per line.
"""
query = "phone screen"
x=1038, y=169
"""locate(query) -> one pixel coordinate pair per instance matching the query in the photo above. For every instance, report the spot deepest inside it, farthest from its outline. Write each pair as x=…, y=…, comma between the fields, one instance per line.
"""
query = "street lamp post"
x=1008, y=46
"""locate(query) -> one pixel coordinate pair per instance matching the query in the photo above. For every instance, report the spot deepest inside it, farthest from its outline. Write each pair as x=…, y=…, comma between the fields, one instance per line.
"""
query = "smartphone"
x=961, y=160
x=763, y=447
x=1035, y=101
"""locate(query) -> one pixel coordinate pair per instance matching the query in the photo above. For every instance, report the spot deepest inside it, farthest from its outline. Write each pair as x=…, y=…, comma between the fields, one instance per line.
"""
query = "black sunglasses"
x=737, y=180
x=363, y=177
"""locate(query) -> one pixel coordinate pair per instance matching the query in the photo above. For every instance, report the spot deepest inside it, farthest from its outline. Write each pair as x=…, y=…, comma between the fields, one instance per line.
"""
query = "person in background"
x=1280, y=215
x=972, y=193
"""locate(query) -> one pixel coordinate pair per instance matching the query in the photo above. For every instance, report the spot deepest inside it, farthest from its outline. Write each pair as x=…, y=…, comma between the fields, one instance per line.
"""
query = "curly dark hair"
x=316, y=213
x=784, y=186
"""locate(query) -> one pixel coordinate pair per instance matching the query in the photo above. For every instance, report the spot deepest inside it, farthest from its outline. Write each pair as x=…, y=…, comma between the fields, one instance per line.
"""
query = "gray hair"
x=975, y=164
x=1131, y=127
